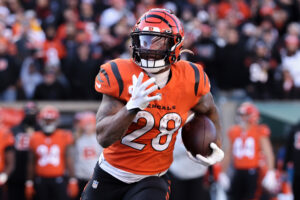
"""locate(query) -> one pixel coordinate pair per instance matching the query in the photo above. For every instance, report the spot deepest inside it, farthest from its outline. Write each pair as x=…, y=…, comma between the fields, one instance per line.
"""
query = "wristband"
x=134, y=110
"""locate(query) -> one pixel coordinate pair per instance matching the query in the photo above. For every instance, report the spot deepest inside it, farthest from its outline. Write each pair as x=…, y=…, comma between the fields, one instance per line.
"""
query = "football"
x=197, y=135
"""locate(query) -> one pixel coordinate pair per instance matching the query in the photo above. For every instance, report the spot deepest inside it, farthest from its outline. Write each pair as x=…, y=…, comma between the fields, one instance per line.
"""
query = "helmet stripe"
x=117, y=74
x=158, y=17
x=169, y=16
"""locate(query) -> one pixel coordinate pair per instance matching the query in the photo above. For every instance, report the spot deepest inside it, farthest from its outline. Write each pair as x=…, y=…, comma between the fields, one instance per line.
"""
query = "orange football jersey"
x=147, y=147
x=246, y=145
x=50, y=152
x=6, y=140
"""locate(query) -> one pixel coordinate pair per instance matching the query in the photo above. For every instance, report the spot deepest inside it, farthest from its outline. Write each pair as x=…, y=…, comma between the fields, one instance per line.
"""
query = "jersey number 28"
x=156, y=144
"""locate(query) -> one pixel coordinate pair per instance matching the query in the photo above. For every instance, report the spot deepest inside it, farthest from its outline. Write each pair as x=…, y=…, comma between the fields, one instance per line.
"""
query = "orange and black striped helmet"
x=157, y=39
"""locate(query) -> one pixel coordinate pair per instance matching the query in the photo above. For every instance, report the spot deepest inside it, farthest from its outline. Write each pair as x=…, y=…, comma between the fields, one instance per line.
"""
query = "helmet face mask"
x=156, y=40
x=48, y=125
x=48, y=119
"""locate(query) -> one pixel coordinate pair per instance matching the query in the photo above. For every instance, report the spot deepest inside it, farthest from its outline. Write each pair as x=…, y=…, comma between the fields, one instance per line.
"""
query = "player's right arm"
x=29, y=190
x=30, y=165
x=114, y=118
x=9, y=156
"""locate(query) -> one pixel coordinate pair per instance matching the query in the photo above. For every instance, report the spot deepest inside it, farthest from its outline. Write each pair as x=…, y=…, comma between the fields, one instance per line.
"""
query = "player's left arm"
x=9, y=156
x=206, y=106
x=72, y=188
x=269, y=181
x=267, y=149
x=70, y=160
x=9, y=160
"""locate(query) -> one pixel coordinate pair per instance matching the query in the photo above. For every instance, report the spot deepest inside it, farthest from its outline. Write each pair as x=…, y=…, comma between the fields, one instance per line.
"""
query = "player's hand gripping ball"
x=198, y=134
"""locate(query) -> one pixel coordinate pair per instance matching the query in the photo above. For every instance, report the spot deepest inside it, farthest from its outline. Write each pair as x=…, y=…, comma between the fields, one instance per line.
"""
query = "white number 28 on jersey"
x=156, y=144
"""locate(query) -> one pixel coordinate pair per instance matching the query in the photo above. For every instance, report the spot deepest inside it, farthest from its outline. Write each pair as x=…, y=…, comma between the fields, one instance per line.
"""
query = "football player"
x=87, y=149
x=293, y=157
x=247, y=140
x=146, y=100
x=7, y=155
x=22, y=133
x=49, y=158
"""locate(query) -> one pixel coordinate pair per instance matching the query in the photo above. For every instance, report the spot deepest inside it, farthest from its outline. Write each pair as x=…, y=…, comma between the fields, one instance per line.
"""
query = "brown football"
x=198, y=134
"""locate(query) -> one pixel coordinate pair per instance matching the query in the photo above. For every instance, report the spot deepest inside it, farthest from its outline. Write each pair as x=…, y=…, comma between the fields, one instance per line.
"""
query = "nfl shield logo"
x=95, y=184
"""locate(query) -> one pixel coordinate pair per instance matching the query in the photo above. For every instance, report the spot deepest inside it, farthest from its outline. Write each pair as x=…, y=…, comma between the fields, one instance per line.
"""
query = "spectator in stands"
x=237, y=10
x=280, y=18
x=290, y=64
x=28, y=34
x=87, y=149
x=9, y=73
x=48, y=11
x=233, y=75
x=292, y=156
x=51, y=88
x=87, y=12
x=22, y=133
x=115, y=13
x=261, y=72
x=30, y=76
x=84, y=70
x=293, y=29
x=249, y=36
x=53, y=49
x=220, y=31
x=267, y=33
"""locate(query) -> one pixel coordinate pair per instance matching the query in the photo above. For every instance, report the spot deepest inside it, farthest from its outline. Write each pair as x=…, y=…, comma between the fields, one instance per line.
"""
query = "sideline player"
x=293, y=156
x=49, y=157
x=247, y=140
x=86, y=148
x=22, y=133
x=146, y=100
x=7, y=156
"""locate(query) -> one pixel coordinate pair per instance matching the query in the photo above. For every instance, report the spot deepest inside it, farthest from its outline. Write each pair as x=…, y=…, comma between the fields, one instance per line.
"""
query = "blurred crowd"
x=52, y=49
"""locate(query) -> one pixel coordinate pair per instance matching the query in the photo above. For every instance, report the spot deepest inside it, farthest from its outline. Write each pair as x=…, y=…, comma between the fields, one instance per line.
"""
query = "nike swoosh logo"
x=98, y=85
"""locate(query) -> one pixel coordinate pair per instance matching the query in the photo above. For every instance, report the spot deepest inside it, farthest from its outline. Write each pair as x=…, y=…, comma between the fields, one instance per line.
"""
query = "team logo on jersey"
x=95, y=184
